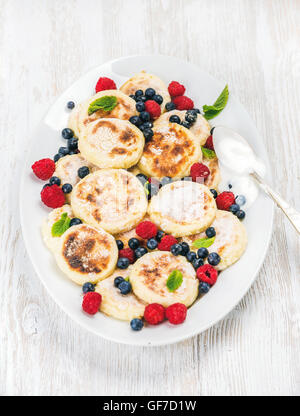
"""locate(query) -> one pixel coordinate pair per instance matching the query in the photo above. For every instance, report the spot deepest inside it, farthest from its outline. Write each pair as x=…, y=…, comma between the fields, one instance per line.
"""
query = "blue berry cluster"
x=189, y=119
x=123, y=285
x=72, y=145
x=236, y=208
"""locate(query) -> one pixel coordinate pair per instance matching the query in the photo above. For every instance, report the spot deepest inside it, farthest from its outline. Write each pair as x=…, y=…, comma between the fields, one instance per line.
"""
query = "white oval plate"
x=232, y=284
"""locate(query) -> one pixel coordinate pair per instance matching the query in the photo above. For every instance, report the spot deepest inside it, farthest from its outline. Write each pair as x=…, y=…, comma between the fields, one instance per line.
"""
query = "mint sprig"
x=211, y=111
x=106, y=103
x=207, y=153
x=60, y=226
x=203, y=242
x=174, y=281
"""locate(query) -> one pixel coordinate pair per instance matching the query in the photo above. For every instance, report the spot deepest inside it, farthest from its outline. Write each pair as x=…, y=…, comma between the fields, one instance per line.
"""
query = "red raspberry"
x=183, y=103
x=176, y=313
x=199, y=170
x=166, y=242
x=153, y=109
x=91, y=302
x=175, y=89
x=207, y=274
x=154, y=313
x=53, y=196
x=43, y=168
x=224, y=200
x=209, y=144
x=105, y=84
x=146, y=229
x=128, y=253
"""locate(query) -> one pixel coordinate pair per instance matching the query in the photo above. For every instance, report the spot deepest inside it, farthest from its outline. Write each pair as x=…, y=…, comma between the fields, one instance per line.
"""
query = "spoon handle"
x=290, y=212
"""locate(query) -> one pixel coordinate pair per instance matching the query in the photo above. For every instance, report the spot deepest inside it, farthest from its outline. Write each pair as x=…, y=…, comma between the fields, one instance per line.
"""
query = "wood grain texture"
x=251, y=44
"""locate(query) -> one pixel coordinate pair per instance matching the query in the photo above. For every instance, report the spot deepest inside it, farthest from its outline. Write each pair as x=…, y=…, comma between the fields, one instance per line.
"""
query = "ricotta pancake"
x=149, y=277
x=112, y=199
x=54, y=216
x=112, y=143
x=201, y=128
x=171, y=152
x=86, y=254
x=180, y=208
x=230, y=242
x=142, y=81
x=124, y=307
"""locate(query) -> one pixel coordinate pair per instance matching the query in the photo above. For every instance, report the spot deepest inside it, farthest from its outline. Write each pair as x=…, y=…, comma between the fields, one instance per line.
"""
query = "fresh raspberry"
x=154, y=313
x=209, y=144
x=105, y=84
x=91, y=302
x=175, y=89
x=207, y=274
x=53, y=196
x=183, y=103
x=128, y=253
x=43, y=168
x=199, y=170
x=146, y=230
x=176, y=313
x=166, y=242
x=153, y=109
x=224, y=200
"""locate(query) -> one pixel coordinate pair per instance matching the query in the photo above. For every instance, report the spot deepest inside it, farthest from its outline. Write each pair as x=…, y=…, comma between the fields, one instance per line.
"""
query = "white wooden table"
x=251, y=44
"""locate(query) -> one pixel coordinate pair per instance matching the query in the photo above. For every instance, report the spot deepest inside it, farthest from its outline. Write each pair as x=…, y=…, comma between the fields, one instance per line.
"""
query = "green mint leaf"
x=211, y=111
x=207, y=153
x=60, y=226
x=174, y=281
x=203, y=242
x=106, y=103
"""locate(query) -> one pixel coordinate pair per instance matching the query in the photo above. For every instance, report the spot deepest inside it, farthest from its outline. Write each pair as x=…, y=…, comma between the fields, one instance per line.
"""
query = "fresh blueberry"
x=234, y=208
x=57, y=157
x=133, y=243
x=142, y=99
x=83, y=172
x=71, y=105
x=212, y=131
x=229, y=186
x=55, y=181
x=73, y=152
x=241, y=214
x=140, y=106
x=148, y=134
x=213, y=259
x=214, y=192
x=142, y=178
x=132, y=96
x=136, y=324
x=67, y=133
x=88, y=287
x=176, y=249
x=174, y=119
x=73, y=143
x=149, y=93
x=145, y=116
x=197, y=263
x=185, y=248
x=158, y=98
x=191, y=256
x=152, y=244
x=210, y=232
x=186, y=124
x=165, y=180
x=139, y=93
x=170, y=106
x=118, y=280
x=147, y=125
x=203, y=287
x=190, y=117
x=135, y=120
x=67, y=188
x=152, y=189
x=196, y=110
x=120, y=244
x=63, y=151
x=75, y=221
x=123, y=263
x=202, y=252
x=240, y=200
x=140, y=252
x=159, y=235
x=125, y=287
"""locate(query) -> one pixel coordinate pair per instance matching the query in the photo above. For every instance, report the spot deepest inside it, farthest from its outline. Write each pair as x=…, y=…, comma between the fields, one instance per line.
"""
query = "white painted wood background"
x=254, y=45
